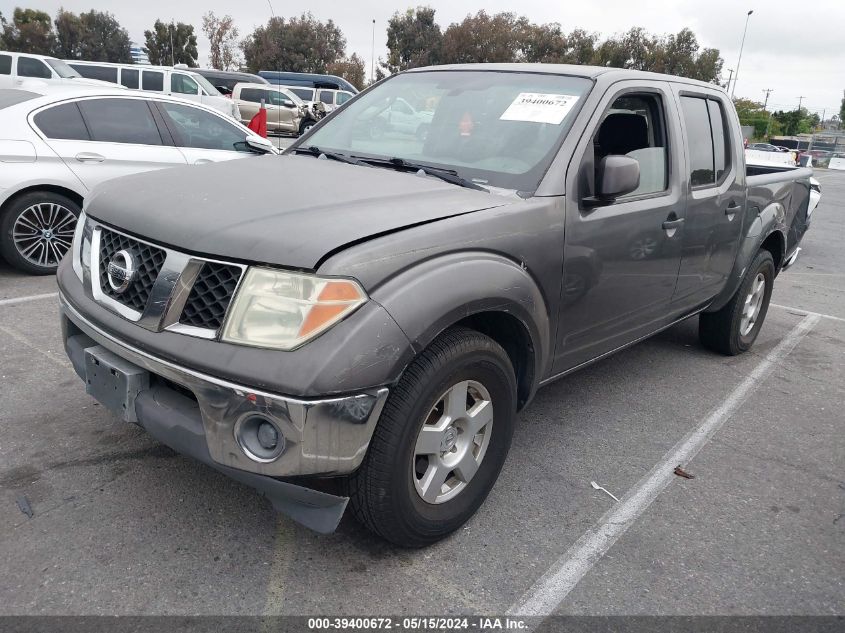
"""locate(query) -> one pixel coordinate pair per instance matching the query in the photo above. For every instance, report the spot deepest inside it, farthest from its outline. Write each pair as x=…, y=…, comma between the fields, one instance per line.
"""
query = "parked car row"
x=57, y=145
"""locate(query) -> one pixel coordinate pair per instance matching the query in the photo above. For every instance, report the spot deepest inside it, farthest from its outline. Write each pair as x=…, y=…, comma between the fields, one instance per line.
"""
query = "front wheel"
x=440, y=443
x=36, y=231
x=733, y=329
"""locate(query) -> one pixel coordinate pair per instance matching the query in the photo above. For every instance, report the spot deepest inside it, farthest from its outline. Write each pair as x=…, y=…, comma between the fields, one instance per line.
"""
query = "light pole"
x=730, y=76
x=373, y=54
x=172, y=54
x=741, y=46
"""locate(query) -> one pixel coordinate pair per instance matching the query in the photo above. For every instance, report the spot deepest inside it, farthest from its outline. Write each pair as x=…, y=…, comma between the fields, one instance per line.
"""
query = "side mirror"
x=288, y=103
x=261, y=144
x=615, y=177
x=223, y=90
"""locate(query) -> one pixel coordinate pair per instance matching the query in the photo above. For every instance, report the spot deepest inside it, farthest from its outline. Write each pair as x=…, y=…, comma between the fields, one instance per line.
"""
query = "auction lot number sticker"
x=539, y=107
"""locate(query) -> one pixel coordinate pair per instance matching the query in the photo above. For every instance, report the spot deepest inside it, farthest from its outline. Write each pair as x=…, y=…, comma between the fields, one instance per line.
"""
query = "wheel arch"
x=51, y=188
x=483, y=291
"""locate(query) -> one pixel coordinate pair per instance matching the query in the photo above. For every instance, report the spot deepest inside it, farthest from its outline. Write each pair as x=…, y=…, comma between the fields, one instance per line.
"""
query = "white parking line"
x=551, y=589
x=9, y=302
x=806, y=312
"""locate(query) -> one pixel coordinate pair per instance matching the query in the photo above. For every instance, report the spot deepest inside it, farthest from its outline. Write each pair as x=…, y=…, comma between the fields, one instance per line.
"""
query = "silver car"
x=55, y=148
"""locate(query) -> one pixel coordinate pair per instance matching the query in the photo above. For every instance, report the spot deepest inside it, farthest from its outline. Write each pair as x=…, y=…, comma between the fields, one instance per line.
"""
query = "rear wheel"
x=442, y=439
x=733, y=329
x=36, y=231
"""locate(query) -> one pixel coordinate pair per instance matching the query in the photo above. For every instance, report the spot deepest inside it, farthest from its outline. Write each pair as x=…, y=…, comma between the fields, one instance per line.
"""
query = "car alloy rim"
x=43, y=233
x=752, y=305
x=452, y=442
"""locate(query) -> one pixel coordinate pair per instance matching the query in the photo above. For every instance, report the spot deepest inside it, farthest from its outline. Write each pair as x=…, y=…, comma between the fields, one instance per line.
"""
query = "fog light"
x=259, y=438
x=268, y=436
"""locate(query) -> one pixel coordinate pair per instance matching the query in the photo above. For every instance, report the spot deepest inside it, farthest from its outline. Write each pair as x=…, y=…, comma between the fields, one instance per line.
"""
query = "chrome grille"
x=149, y=262
x=169, y=290
x=210, y=296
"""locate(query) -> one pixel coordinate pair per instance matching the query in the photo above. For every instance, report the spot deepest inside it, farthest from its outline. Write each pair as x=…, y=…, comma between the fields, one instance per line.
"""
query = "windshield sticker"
x=538, y=107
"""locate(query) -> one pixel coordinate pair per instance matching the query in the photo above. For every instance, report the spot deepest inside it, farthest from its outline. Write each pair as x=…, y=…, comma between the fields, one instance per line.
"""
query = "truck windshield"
x=207, y=85
x=494, y=128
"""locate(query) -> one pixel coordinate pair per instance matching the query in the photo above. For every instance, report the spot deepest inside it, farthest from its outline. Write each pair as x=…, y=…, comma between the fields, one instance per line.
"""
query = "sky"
x=795, y=49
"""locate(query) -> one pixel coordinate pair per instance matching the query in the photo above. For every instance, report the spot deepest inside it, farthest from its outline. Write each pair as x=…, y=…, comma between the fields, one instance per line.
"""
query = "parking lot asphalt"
x=123, y=525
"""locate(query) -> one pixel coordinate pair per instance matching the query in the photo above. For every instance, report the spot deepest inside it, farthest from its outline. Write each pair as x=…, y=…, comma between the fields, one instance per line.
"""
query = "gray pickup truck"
x=368, y=335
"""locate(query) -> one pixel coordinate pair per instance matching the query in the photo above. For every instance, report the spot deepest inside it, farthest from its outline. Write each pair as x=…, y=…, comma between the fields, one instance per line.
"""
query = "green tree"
x=543, y=43
x=222, y=37
x=483, y=38
x=752, y=113
x=842, y=111
x=580, y=47
x=30, y=31
x=302, y=44
x=796, y=122
x=184, y=44
x=413, y=39
x=350, y=68
x=93, y=36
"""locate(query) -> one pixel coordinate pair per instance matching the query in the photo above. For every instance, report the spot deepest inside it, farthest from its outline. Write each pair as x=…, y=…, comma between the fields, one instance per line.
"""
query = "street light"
x=373, y=55
x=736, y=76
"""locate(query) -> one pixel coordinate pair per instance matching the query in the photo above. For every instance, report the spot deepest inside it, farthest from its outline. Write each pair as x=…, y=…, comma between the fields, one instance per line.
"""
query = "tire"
x=51, y=220
x=383, y=493
x=725, y=331
x=306, y=125
x=422, y=132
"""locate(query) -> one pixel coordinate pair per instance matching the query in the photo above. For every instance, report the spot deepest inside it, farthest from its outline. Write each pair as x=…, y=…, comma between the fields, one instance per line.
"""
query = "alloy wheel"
x=452, y=442
x=43, y=233
x=753, y=303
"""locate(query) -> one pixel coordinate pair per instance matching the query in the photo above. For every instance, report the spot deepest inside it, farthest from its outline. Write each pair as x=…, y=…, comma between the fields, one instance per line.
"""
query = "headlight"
x=283, y=310
x=77, y=251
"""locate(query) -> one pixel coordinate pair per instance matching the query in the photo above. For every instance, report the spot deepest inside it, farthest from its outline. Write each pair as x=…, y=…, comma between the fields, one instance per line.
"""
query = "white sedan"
x=55, y=148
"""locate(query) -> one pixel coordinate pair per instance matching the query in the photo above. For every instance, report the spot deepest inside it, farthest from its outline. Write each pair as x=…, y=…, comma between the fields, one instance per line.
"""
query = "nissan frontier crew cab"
x=368, y=336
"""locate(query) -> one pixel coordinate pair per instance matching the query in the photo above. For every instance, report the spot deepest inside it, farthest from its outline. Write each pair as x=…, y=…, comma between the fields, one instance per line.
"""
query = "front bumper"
x=196, y=414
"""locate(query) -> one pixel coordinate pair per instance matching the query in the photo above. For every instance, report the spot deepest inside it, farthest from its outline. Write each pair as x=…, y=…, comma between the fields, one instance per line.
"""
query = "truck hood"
x=285, y=210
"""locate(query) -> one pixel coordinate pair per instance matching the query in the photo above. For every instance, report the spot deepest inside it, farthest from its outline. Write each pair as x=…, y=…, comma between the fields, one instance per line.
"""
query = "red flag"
x=258, y=123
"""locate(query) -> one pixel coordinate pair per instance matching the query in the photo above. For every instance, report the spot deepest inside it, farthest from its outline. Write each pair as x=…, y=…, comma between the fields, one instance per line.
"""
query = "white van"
x=176, y=82
x=18, y=69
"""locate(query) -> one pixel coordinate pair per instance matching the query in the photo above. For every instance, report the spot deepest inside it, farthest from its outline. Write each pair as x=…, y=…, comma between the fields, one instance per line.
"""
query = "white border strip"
x=16, y=300
x=562, y=577
x=806, y=312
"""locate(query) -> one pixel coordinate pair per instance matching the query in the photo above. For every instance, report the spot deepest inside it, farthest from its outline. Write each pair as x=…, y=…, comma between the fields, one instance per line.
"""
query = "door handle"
x=671, y=225
x=90, y=157
x=732, y=208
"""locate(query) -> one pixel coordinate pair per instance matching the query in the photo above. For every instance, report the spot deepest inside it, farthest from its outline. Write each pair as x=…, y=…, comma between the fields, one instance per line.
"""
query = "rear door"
x=716, y=196
x=103, y=138
x=203, y=137
x=621, y=260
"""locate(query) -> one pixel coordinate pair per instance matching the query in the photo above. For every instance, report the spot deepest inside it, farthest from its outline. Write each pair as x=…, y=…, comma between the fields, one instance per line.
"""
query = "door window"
x=633, y=127
x=5, y=64
x=129, y=78
x=29, y=67
x=253, y=95
x=183, y=85
x=62, y=122
x=152, y=80
x=699, y=141
x=120, y=121
x=720, y=145
x=326, y=97
x=196, y=128
x=343, y=97
x=103, y=73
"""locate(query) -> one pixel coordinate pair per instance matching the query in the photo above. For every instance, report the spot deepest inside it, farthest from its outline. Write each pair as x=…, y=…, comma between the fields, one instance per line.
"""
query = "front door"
x=621, y=260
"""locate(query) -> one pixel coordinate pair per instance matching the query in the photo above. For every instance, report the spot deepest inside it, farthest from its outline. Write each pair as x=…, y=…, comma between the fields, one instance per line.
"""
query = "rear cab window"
x=5, y=64
x=103, y=73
